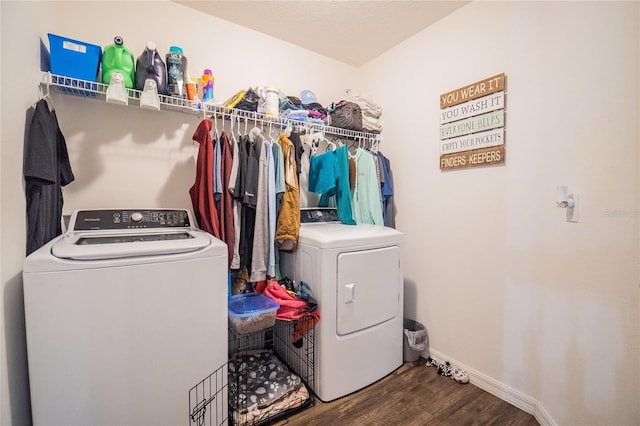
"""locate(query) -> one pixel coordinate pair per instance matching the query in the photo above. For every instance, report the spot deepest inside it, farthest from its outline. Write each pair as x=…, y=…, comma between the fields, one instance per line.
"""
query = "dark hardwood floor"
x=413, y=395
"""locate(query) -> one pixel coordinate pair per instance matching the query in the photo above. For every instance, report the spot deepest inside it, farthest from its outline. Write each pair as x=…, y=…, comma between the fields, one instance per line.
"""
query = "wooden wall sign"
x=468, y=109
x=477, y=157
x=472, y=124
x=479, y=140
x=475, y=90
x=478, y=123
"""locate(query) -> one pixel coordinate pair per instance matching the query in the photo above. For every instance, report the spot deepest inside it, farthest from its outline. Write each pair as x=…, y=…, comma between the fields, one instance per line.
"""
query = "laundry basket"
x=415, y=340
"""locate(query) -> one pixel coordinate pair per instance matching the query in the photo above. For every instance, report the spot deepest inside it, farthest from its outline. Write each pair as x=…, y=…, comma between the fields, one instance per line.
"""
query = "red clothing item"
x=201, y=192
x=292, y=309
x=226, y=215
x=290, y=306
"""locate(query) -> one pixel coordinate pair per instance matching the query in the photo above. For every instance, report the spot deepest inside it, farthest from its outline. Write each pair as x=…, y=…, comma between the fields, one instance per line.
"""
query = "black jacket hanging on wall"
x=46, y=170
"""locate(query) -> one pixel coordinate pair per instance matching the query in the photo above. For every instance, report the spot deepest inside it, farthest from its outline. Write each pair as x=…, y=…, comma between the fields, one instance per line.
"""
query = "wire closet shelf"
x=97, y=90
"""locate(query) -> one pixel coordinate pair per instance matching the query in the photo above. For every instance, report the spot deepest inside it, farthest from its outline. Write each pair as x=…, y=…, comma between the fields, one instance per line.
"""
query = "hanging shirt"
x=251, y=172
x=246, y=187
x=297, y=146
x=307, y=198
x=366, y=202
x=271, y=204
x=217, y=167
x=343, y=191
x=352, y=173
x=386, y=191
x=288, y=226
x=201, y=192
x=329, y=176
x=46, y=169
x=260, y=251
x=237, y=205
x=227, y=231
x=323, y=172
x=278, y=165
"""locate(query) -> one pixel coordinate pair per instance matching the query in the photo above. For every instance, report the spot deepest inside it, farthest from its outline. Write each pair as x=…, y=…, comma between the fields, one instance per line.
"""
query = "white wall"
x=121, y=156
x=504, y=285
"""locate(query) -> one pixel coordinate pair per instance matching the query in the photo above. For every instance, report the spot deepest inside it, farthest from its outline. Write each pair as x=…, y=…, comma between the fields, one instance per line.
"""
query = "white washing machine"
x=355, y=273
x=125, y=313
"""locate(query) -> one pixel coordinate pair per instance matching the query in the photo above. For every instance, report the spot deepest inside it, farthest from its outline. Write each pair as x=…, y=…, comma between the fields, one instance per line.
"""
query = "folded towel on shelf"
x=365, y=103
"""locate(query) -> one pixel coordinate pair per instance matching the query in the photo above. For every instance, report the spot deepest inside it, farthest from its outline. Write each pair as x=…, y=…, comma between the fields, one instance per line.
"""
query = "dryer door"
x=368, y=288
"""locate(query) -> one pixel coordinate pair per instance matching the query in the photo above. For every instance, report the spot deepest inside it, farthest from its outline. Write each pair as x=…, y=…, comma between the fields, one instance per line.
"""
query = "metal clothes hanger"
x=288, y=129
x=271, y=138
x=215, y=125
x=232, y=139
x=315, y=143
x=224, y=118
x=256, y=133
x=329, y=143
x=44, y=92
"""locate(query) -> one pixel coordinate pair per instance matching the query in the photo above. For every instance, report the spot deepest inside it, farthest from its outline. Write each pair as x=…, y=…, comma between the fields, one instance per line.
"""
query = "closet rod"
x=97, y=90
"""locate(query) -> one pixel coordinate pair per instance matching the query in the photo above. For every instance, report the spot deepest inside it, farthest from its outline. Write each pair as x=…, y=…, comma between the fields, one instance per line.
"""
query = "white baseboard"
x=500, y=390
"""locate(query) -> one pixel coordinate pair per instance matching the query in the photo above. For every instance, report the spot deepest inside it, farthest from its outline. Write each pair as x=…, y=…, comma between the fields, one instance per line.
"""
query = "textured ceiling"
x=350, y=31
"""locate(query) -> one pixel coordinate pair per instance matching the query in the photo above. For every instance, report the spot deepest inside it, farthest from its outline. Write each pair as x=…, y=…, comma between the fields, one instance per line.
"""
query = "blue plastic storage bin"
x=73, y=58
x=251, y=312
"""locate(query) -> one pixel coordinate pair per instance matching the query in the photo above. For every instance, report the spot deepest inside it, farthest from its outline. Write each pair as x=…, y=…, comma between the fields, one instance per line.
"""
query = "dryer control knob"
x=136, y=217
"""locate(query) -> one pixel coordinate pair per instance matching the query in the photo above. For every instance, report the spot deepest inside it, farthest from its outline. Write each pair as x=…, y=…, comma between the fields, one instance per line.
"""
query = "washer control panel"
x=318, y=215
x=94, y=220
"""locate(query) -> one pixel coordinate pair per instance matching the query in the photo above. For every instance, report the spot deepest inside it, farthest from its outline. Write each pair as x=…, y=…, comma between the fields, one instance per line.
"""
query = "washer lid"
x=118, y=233
x=113, y=245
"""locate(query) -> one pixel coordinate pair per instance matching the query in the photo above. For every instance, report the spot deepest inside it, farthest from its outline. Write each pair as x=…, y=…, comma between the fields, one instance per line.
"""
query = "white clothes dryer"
x=125, y=313
x=355, y=273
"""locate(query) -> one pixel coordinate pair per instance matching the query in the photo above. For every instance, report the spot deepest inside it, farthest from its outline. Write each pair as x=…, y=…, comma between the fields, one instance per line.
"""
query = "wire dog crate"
x=208, y=400
x=271, y=372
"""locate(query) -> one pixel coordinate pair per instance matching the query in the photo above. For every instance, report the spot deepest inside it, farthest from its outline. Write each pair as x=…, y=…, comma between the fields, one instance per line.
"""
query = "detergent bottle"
x=176, y=72
x=151, y=65
x=117, y=58
x=207, y=85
